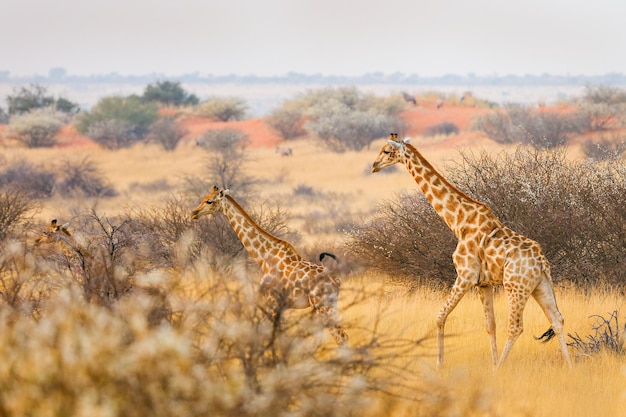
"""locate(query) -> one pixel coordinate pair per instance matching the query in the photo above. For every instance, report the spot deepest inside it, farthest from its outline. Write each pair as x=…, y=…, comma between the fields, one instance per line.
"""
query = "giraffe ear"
x=394, y=144
x=65, y=226
x=226, y=192
x=406, y=140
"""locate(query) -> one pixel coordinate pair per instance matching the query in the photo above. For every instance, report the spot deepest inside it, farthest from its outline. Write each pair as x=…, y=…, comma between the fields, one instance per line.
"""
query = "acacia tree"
x=117, y=121
x=36, y=97
x=169, y=93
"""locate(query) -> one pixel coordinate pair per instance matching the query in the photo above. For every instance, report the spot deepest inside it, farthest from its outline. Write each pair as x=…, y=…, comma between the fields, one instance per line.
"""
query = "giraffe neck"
x=262, y=246
x=455, y=208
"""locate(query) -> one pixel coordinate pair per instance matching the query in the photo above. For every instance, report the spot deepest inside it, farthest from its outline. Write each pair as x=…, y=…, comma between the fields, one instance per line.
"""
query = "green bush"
x=36, y=97
x=116, y=122
x=169, y=93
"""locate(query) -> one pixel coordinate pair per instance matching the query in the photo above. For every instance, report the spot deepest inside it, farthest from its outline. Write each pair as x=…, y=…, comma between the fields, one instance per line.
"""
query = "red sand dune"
x=259, y=134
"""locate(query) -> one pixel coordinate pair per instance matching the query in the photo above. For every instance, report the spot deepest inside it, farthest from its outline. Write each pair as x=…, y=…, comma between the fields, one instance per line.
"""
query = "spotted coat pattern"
x=488, y=253
x=289, y=281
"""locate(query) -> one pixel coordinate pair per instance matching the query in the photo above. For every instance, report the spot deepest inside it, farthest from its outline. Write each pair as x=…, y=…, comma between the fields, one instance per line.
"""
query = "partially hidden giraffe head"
x=53, y=233
x=391, y=153
x=210, y=204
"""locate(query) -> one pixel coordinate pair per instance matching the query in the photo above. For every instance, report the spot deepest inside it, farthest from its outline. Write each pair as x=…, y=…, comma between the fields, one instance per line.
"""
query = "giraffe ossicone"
x=488, y=253
x=289, y=281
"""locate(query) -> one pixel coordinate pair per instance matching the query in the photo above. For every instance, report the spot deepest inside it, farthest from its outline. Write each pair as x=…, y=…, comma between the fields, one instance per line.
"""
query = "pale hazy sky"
x=330, y=37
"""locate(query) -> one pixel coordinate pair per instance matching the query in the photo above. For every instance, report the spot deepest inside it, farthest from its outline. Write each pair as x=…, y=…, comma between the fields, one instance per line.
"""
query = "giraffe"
x=87, y=266
x=488, y=253
x=289, y=281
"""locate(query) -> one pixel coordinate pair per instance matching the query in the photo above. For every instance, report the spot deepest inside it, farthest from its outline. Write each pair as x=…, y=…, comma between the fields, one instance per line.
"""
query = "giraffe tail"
x=547, y=336
x=325, y=254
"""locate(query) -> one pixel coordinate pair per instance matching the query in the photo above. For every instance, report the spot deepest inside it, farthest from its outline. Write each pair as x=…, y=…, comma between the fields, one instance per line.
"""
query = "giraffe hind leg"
x=544, y=295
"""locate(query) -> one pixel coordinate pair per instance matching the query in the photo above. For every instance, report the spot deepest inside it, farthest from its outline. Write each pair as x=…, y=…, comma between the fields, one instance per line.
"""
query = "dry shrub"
x=38, y=128
x=288, y=122
x=223, y=108
x=574, y=209
x=34, y=180
x=102, y=257
x=522, y=125
x=405, y=240
x=604, y=148
x=443, y=128
x=160, y=229
x=83, y=179
x=608, y=336
x=220, y=358
x=14, y=208
x=167, y=132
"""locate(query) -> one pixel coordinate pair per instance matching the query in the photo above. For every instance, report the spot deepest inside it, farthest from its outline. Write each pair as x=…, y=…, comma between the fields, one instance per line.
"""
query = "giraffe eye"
x=386, y=152
x=209, y=201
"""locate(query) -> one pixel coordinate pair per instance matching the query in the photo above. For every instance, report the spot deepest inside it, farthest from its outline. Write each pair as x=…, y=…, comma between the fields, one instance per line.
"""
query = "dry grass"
x=534, y=381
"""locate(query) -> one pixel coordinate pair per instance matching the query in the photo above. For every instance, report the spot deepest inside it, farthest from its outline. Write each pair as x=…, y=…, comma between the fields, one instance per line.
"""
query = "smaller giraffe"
x=289, y=281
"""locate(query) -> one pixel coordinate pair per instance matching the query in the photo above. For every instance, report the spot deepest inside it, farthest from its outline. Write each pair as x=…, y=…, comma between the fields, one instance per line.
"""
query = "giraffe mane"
x=256, y=225
x=429, y=166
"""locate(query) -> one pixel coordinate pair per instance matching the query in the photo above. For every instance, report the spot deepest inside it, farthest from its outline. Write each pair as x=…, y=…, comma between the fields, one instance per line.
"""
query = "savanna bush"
x=226, y=154
x=288, y=122
x=36, y=97
x=82, y=178
x=169, y=93
x=173, y=239
x=573, y=209
x=223, y=108
x=605, y=147
x=167, y=132
x=518, y=124
x=601, y=107
x=443, y=128
x=220, y=358
x=38, y=128
x=35, y=180
x=346, y=119
x=15, y=206
x=116, y=122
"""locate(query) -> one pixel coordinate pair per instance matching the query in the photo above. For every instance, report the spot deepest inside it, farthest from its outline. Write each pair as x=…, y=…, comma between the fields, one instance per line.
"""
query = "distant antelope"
x=409, y=98
x=284, y=151
x=439, y=103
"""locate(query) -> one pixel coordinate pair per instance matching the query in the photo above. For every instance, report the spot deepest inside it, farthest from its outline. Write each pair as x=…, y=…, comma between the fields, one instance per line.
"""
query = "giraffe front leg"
x=486, y=297
x=330, y=322
x=325, y=309
x=458, y=291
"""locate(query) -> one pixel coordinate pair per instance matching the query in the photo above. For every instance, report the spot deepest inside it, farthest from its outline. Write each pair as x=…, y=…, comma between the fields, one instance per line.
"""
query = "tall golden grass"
x=119, y=345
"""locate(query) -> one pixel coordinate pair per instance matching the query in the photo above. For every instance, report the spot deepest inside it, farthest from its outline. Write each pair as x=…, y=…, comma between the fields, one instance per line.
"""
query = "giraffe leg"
x=517, y=301
x=544, y=295
x=325, y=308
x=486, y=297
x=458, y=291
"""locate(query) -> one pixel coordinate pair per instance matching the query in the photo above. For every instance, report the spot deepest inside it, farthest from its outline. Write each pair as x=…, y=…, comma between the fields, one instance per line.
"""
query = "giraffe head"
x=210, y=204
x=391, y=153
x=53, y=233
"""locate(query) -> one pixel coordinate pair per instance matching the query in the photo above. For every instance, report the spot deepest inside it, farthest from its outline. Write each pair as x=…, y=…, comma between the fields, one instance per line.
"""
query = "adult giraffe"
x=289, y=281
x=488, y=253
